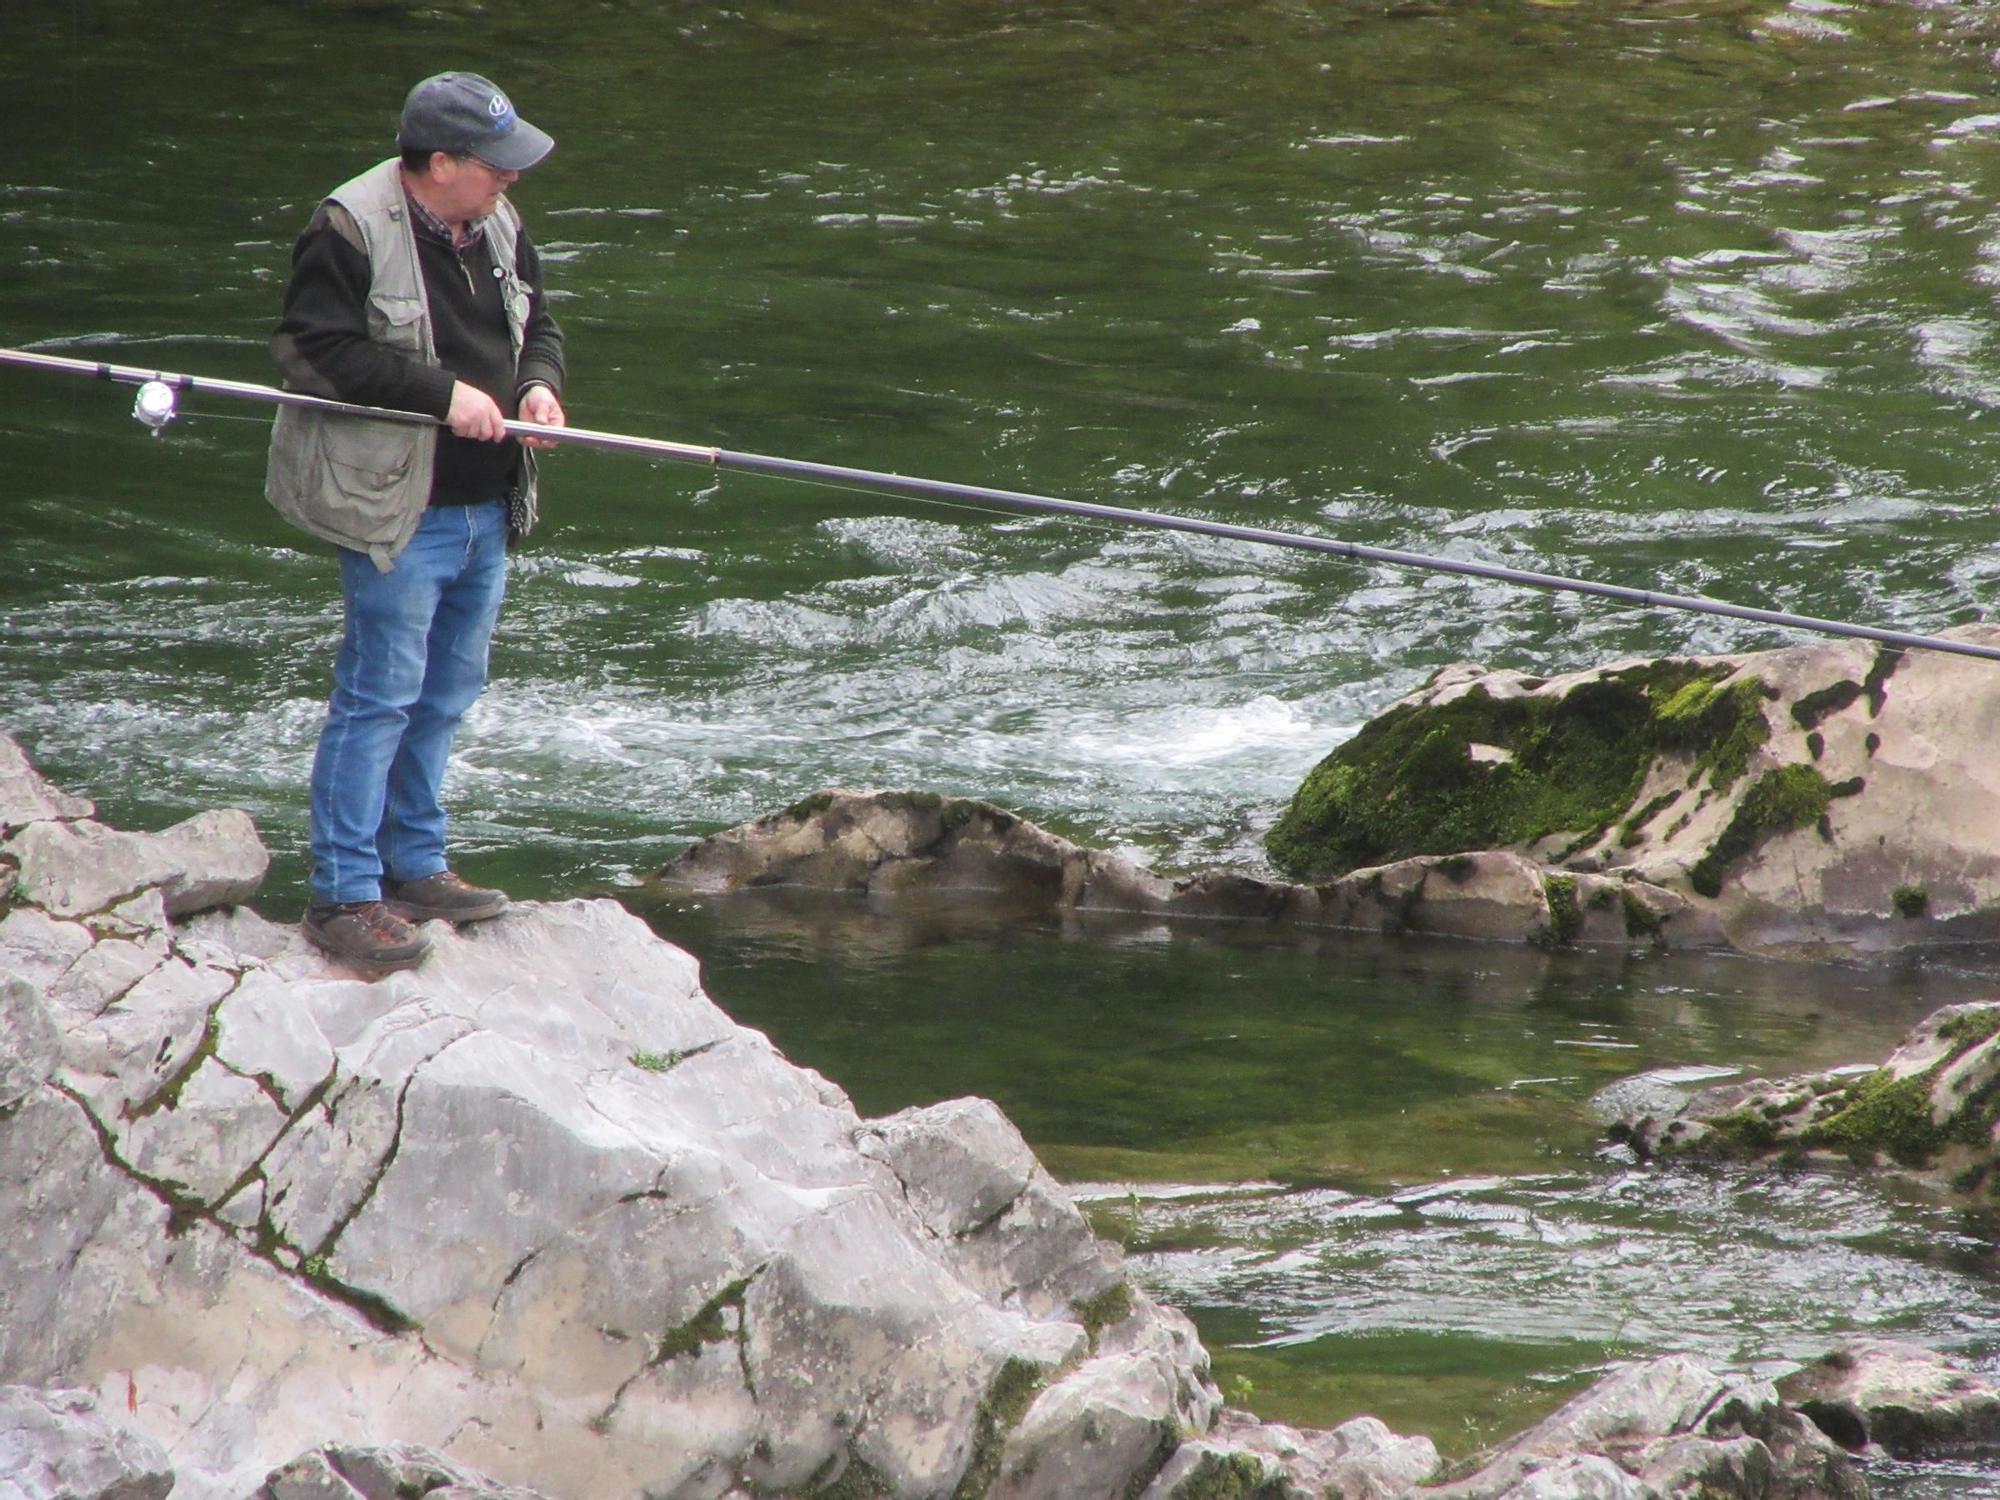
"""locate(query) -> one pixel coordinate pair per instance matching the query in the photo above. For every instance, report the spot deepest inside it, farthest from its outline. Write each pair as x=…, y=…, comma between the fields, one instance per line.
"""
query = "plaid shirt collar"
x=437, y=227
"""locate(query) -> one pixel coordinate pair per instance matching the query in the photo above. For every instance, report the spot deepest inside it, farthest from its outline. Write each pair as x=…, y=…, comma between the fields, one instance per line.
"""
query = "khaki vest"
x=360, y=482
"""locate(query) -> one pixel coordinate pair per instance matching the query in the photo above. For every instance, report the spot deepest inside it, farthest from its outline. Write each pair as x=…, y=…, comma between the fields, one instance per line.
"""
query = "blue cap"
x=465, y=114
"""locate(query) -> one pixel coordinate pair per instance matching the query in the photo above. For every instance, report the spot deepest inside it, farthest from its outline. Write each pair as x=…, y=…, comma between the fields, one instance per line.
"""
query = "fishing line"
x=159, y=392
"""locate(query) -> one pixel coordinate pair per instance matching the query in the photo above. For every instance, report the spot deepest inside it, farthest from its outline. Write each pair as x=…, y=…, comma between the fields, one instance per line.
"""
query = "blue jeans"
x=412, y=661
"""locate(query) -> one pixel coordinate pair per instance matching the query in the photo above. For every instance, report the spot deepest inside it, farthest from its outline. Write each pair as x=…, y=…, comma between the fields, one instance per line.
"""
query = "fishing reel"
x=155, y=405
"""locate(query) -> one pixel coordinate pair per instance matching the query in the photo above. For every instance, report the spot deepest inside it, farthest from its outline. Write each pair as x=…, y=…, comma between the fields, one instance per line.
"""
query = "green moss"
x=1407, y=784
x=1000, y=1411
x=1629, y=832
x=658, y=1062
x=1890, y=1116
x=1106, y=1309
x=846, y=1477
x=1565, y=916
x=1230, y=1476
x=1816, y=744
x=1884, y=1114
x=1782, y=800
x=809, y=807
x=1814, y=708
x=1641, y=921
x=1910, y=901
x=707, y=1326
x=1876, y=685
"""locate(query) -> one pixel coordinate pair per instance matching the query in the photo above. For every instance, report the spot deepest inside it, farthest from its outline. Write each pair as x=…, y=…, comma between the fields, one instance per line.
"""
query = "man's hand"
x=540, y=406
x=474, y=414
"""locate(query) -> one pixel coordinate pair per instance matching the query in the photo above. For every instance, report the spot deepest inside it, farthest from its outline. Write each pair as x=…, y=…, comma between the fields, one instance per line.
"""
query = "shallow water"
x=1682, y=294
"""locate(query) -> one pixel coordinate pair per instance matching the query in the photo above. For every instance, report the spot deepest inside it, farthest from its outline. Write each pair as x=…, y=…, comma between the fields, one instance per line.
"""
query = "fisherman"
x=414, y=287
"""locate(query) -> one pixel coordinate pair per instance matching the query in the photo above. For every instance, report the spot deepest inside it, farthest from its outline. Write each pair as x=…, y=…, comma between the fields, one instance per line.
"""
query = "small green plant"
x=658, y=1062
x=315, y=1267
x=1241, y=1389
x=1910, y=901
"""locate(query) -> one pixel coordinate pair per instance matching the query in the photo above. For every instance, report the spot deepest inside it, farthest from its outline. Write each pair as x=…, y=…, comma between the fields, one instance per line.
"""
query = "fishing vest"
x=360, y=482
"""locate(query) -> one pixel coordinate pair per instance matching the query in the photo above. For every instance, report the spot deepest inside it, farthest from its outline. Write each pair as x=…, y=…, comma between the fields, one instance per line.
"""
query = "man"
x=416, y=288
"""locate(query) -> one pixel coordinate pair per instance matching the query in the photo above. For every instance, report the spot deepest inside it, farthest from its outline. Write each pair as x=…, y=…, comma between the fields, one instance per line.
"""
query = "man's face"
x=467, y=187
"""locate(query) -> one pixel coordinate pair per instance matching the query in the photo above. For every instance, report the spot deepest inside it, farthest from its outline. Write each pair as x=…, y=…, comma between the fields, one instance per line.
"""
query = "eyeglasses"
x=467, y=156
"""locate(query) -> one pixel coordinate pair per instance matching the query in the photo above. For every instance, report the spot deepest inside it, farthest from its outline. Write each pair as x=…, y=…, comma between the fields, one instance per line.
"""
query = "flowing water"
x=1685, y=294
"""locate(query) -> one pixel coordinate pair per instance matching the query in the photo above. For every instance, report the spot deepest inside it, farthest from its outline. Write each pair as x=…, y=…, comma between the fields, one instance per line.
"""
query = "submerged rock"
x=1824, y=800
x=1931, y=1111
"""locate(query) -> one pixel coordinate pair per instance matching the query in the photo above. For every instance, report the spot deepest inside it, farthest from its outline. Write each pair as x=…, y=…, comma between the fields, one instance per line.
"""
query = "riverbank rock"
x=902, y=844
x=1826, y=800
x=1929, y=1112
x=1908, y=1401
x=1667, y=1427
x=535, y=1215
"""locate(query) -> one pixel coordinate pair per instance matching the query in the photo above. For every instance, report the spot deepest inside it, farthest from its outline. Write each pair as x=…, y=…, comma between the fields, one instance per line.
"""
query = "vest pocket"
x=397, y=322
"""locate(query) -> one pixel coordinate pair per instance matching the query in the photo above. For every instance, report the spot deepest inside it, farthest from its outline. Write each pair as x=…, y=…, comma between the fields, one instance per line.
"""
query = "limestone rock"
x=76, y=869
x=1667, y=1426
x=60, y=1445
x=29, y=1043
x=1905, y=1400
x=1785, y=800
x=1929, y=1111
x=345, y=1472
x=26, y=798
x=890, y=844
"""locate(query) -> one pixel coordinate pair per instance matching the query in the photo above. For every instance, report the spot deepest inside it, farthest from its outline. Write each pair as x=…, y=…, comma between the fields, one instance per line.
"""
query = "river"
x=1692, y=295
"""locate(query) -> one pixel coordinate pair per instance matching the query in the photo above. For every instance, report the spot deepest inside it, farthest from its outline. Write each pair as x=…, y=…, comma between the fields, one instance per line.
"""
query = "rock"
x=1928, y=1112
x=344, y=1472
x=897, y=844
x=538, y=1211
x=25, y=798
x=1667, y=1426
x=77, y=869
x=1359, y=1460
x=1780, y=803
x=60, y=1445
x=29, y=1043
x=1907, y=1401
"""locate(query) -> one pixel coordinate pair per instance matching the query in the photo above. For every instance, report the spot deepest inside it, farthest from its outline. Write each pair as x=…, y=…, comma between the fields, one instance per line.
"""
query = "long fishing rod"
x=159, y=391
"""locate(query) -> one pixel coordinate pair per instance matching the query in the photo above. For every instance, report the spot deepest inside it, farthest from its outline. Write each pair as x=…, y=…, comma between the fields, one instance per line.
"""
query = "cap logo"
x=501, y=111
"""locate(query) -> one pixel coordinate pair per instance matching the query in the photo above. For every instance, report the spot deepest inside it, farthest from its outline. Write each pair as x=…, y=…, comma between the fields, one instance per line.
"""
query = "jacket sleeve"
x=542, y=340
x=322, y=345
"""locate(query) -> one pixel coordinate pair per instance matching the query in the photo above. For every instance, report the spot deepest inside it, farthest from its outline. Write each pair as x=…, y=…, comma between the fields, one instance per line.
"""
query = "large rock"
x=537, y=1211
x=1787, y=802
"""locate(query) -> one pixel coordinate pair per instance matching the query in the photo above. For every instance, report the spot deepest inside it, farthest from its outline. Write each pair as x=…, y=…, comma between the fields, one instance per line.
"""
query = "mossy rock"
x=1408, y=785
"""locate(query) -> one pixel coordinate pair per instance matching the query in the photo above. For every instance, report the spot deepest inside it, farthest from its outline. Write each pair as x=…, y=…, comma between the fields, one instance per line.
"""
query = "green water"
x=1694, y=296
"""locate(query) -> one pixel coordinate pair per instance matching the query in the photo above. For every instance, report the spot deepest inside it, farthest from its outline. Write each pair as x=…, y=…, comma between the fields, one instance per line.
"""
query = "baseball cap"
x=462, y=112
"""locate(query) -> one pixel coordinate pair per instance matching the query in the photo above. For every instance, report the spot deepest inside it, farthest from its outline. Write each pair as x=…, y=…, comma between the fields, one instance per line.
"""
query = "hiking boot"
x=365, y=933
x=442, y=897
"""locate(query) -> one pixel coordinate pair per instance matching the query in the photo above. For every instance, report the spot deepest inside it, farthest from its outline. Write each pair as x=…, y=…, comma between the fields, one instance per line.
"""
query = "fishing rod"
x=160, y=391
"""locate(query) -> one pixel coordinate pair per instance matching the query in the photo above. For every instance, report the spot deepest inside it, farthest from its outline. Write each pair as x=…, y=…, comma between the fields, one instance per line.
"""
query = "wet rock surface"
x=887, y=845
x=1929, y=1111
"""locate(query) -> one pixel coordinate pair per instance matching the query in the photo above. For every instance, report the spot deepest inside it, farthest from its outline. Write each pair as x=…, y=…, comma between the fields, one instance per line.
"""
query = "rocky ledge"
x=1930, y=1112
x=1786, y=803
x=538, y=1218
